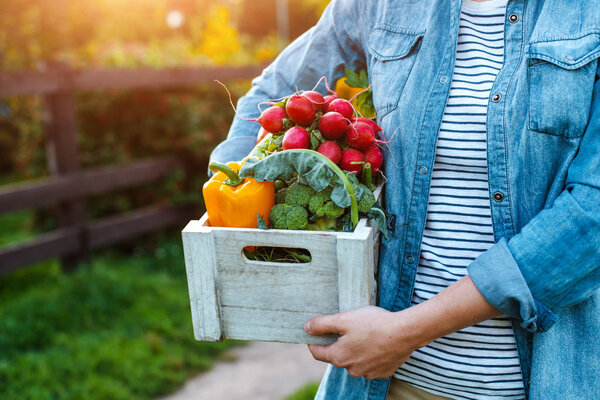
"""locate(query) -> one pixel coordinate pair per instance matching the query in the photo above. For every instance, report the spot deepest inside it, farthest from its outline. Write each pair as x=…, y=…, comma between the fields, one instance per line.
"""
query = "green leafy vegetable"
x=378, y=214
x=364, y=101
x=321, y=205
x=260, y=222
x=360, y=80
x=314, y=170
x=298, y=194
x=287, y=216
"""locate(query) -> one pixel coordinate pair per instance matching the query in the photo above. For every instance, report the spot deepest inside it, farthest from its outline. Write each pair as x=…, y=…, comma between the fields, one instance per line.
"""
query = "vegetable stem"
x=233, y=177
x=367, y=175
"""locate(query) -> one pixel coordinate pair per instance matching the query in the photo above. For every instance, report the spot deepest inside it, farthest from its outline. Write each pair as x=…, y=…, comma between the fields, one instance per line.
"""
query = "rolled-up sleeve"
x=554, y=262
x=324, y=50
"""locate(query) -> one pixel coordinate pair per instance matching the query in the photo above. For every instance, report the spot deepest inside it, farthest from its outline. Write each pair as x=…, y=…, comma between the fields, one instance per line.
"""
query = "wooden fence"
x=68, y=185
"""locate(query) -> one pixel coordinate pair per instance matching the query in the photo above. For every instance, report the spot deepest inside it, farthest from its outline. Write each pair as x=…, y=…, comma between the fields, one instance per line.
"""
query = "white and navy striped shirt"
x=481, y=361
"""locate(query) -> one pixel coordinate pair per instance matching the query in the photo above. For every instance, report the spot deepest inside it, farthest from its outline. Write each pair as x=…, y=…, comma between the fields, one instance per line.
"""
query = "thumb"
x=324, y=325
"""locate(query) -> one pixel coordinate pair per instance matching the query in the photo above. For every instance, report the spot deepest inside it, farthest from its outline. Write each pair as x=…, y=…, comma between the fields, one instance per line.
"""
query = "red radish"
x=301, y=110
x=328, y=99
x=374, y=156
x=342, y=106
x=317, y=99
x=331, y=150
x=296, y=138
x=348, y=157
x=272, y=119
x=359, y=135
x=376, y=128
x=261, y=134
x=333, y=125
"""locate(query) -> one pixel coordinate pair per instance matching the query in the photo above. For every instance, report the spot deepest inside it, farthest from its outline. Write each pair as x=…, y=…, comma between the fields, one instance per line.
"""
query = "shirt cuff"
x=497, y=276
x=233, y=149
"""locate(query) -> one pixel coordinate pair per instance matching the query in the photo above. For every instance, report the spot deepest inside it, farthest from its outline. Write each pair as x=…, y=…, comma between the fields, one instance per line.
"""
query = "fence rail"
x=68, y=186
x=78, y=185
x=61, y=79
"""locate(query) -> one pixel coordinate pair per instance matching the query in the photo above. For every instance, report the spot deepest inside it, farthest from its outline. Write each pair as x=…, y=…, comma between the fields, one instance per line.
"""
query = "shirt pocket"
x=393, y=52
x=561, y=76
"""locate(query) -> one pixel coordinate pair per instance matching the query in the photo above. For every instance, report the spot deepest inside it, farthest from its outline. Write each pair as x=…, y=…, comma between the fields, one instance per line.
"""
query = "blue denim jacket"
x=543, y=141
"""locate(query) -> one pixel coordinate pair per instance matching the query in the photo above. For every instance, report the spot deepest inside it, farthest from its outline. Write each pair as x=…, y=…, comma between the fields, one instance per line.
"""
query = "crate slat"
x=200, y=267
x=270, y=326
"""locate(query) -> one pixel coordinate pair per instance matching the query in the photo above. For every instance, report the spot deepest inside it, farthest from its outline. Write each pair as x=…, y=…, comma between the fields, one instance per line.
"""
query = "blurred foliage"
x=16, y=227
x=306, y=392
x=121, y=126
x=128, y=125
x=117, y=328
x=258, y=18
x=137, y=33
x=219, y=39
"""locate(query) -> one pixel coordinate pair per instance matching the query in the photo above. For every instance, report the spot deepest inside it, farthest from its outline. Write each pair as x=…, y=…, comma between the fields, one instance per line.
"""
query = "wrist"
x=412, y=328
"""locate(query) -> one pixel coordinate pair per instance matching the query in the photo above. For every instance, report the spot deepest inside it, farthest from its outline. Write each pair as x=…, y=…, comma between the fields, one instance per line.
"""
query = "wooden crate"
x=233, y=297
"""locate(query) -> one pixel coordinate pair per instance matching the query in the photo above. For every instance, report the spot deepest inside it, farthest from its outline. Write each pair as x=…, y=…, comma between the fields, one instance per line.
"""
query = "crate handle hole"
x=289, y=255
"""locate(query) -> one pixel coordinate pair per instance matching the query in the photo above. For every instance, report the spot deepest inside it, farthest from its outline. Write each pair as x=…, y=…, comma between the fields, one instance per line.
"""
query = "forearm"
x=458, y=306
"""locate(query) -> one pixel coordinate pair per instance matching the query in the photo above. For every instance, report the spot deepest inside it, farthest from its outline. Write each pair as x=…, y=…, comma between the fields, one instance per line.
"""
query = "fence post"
x=63, y=159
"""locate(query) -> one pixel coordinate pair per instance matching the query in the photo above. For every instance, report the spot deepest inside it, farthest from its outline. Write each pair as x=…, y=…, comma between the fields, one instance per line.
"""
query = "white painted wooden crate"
x=233, y=297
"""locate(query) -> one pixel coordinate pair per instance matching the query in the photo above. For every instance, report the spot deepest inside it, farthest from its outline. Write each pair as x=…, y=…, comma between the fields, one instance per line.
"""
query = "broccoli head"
x=321, y=205
x=364, y=196
x=367, y=200
x=286, y=216
x=299, y=194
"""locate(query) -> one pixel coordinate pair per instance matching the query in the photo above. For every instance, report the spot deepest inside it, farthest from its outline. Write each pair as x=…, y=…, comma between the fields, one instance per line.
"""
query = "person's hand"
x=373, y=342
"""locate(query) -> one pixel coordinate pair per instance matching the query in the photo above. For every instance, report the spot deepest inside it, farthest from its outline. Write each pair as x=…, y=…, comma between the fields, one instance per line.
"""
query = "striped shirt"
x=479, y=362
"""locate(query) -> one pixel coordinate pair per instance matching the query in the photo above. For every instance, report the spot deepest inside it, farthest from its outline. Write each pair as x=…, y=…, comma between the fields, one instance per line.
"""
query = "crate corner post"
x=200, y=263
x=355, y=269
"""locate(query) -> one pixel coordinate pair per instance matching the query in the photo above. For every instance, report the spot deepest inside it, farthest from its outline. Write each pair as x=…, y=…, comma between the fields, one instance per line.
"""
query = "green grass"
x=119, y=327
x=15, y=227
x=306, y=392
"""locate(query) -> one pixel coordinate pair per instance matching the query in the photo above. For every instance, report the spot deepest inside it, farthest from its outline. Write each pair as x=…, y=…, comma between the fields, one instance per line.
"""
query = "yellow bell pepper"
x=346, y=92
x=235, y=202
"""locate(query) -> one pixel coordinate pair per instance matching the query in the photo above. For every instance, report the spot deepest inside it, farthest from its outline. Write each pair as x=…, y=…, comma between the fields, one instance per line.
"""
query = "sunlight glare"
x=175, y=19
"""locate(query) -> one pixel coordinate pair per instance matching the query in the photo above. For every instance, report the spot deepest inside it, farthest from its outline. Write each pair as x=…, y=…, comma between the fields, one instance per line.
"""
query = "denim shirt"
x=543, y=149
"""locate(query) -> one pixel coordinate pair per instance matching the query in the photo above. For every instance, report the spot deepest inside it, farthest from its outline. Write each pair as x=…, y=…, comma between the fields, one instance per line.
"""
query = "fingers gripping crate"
x=233, y=297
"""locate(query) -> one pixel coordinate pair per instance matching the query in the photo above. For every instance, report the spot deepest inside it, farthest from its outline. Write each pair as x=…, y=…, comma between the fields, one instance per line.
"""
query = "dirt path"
x=262, y=371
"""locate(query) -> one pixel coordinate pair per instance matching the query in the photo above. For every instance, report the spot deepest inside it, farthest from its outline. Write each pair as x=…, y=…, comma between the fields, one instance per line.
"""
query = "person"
x=488, y=284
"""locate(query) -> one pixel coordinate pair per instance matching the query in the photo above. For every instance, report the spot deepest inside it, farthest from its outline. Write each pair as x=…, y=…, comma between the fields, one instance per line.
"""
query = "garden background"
x=119, y=326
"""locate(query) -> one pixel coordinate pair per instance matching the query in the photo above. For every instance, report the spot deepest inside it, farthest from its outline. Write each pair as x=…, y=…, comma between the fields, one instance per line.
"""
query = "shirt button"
x=443, y=79
x=423, y=170
x=496, y=98
x=513, y=18
x=498, y=196
x=409, y=259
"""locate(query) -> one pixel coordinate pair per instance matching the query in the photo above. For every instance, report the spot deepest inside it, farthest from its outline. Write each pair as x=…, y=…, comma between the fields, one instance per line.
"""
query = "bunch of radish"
x=327, y=124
